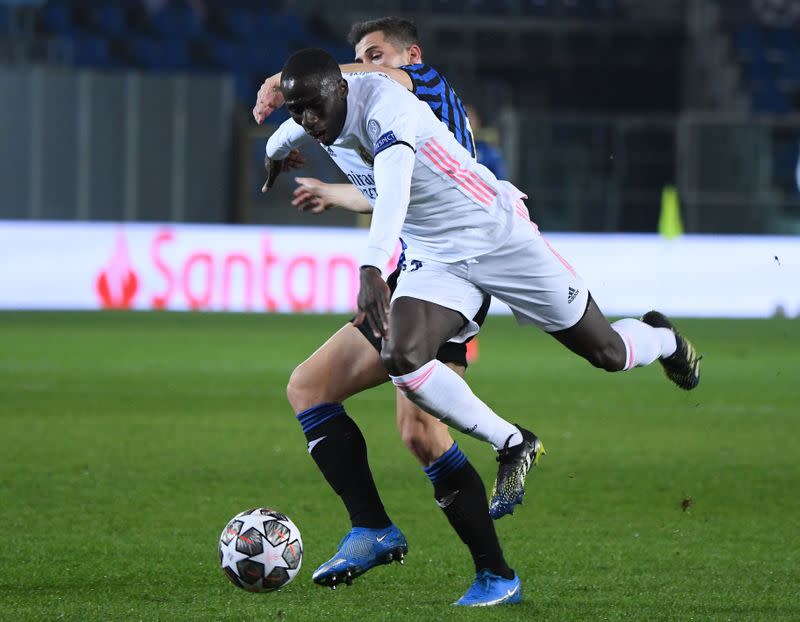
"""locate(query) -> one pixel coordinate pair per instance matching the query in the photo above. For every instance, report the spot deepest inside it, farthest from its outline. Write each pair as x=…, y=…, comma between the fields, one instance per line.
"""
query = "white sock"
x=439, y=390
x=643, y=343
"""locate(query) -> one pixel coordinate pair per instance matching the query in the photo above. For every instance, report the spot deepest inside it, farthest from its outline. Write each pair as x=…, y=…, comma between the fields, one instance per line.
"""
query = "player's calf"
x=609, y=356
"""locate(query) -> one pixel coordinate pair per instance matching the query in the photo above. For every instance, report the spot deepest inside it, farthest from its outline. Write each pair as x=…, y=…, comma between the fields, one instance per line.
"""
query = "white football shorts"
x=526, y=273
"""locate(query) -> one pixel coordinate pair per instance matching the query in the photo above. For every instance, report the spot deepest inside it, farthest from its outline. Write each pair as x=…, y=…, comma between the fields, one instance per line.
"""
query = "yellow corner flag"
x=669, y=222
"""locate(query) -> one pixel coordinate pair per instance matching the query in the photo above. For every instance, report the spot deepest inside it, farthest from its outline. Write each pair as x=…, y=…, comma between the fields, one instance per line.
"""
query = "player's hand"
x=269, y=98
x=312, y=195
x=273, y=168
x=294, y=159
x=373, y=301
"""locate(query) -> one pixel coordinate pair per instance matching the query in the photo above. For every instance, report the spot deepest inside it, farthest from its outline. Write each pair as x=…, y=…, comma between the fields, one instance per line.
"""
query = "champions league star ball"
x=260, y=550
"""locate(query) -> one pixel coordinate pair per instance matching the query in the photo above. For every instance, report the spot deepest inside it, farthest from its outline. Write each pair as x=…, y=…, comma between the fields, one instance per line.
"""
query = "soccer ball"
x=260, y=550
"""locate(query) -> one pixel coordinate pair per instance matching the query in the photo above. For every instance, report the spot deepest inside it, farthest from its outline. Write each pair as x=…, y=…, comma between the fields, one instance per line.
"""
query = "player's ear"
x=342, y=88
x=414, y=54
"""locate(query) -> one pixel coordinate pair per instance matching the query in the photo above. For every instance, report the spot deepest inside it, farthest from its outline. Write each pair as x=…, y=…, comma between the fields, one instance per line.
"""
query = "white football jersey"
x=458, y=209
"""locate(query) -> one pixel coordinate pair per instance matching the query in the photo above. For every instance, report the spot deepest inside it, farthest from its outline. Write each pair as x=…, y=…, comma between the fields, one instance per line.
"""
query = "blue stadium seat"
x=176, y=56
x=58, y=19
x=246, y=86
x=146, y=52
x=267, y=26
x=783, y=40
x=161, y=55
x=5, y=22
x=224, y=54
x=176, y=23
x=109, y=19
x=290, y=25
x=242, y=24
x=91, y=52
x=791, y=70
x=748, y=40
x=767, y=98
x=342, y=53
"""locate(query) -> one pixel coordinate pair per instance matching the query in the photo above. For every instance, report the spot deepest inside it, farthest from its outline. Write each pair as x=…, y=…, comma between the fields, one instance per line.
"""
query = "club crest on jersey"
x=366, y=156
x=373, y=129
x=387, y=140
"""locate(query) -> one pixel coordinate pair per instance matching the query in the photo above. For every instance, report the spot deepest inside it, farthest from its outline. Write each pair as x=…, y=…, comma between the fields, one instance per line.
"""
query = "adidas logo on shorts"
x=573, y=293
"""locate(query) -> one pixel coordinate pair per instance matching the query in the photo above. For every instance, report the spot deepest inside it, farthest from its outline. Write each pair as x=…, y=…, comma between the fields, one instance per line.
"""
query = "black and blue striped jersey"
x=433, y=88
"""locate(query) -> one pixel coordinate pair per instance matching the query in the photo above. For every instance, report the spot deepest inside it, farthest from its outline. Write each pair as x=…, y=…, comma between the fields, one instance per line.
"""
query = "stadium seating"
x=768, y=54
x=91, y=51
x=250, y=38
x=245, y=37
x=58, y=19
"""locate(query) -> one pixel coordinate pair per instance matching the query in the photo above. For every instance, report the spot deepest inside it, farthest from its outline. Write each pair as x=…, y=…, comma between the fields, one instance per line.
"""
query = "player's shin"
x=337, y=446
x=437, y=389
x=461, y=495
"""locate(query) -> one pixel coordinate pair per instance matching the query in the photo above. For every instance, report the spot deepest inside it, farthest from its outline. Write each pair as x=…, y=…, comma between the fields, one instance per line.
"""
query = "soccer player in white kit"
x=349, y=362
x=467, y=234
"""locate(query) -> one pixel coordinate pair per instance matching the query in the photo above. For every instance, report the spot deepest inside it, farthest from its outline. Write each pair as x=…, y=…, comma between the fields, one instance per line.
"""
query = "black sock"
x=339, y=449
x=460, y=493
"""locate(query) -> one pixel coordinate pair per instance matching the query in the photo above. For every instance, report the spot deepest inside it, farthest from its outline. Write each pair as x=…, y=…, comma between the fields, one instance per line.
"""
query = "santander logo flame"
x=117, y=283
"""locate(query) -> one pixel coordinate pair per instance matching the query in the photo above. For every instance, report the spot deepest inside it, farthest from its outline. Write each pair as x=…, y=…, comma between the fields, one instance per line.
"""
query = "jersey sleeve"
x=393, y=171
x=391, y=118
x=431, y=87
x=288, y=136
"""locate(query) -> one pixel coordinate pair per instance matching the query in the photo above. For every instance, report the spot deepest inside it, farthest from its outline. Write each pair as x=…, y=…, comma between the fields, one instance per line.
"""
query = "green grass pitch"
x=128, y=440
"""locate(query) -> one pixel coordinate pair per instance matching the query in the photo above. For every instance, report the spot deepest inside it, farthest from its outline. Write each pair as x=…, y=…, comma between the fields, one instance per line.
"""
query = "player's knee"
x=608, y=356
x=301, y=391
x=400, y=360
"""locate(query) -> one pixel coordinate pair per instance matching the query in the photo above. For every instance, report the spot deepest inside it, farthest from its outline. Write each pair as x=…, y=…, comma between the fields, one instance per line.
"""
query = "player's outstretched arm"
x=270, y=98
x=398, y=75
x=274, y=167
x=282, y=153
x=315, y=196
x=393, y=168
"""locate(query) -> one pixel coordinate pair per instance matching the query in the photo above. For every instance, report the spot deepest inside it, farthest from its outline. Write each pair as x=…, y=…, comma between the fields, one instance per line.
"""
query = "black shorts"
x=450, y=352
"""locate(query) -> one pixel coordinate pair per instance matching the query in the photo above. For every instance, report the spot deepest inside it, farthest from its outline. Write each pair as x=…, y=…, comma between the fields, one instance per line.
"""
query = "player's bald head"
x=311, y=70
x=315, y=93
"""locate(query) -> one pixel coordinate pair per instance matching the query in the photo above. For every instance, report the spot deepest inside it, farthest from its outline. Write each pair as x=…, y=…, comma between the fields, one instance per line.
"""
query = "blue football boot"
x=360, y=550
x=490, y=589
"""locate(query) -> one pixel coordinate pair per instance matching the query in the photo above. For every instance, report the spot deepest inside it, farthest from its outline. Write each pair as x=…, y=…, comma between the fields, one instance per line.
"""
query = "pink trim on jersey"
x=456, y=175
x=453, y=162
x=468, y=180
x=560, y=258
x=416, y=382
x=483, y=200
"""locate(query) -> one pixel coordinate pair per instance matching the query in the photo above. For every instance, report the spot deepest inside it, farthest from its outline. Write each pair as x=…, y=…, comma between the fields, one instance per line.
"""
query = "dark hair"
x=399, y=30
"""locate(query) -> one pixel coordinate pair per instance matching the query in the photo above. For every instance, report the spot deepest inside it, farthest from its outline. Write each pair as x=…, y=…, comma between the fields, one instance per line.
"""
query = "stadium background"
x=659, y=142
